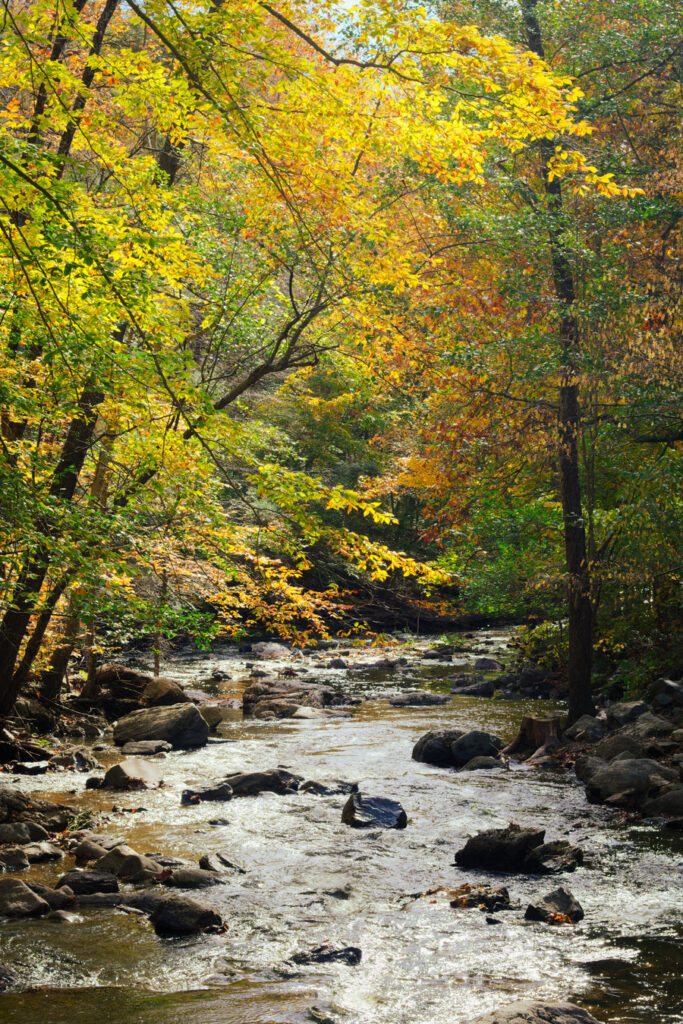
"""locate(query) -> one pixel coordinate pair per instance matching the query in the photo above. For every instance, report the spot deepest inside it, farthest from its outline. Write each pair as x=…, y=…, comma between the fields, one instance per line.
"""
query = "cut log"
x=535, y=733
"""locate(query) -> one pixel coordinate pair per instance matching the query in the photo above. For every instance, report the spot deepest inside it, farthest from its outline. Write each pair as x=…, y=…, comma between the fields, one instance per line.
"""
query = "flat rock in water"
x=181, y=725
x=270, y=651
x=555, y=908
x=219, y=863
x=18, y=900
x=350, y=955
x=181, y=915
x=465, y=688
x=222, y=791
x=487, y=665
x=484, y=897
x=418, y=698
x=537, y=1013
x=191, y=878
x=142, y=748
x=84, y=883
x=38, y=853
x=373, y=812
x=274, y=780
x=134, y=773
x=478, y=764
x=335, y=788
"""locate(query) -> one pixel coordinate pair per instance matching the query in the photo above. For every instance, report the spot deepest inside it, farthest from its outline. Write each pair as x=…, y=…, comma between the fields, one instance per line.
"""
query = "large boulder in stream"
x=373, y=812
x=162, y=692
x=515, y=850
x=558, y=906
x=134, y=773
x=537, y=1013
x=181, y=725
x=180, y=915
x=454, y=748
x=629, y=782
x=18, y=900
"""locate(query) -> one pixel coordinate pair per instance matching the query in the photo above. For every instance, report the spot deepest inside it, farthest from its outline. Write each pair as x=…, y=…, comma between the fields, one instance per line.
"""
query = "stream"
x=423, y=962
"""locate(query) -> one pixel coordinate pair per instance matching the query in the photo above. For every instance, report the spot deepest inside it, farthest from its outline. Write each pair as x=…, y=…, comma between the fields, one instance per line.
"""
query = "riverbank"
x=309, y=879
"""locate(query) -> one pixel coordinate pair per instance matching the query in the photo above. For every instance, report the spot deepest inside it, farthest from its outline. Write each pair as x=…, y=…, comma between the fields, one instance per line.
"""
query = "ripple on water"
x=423, y=963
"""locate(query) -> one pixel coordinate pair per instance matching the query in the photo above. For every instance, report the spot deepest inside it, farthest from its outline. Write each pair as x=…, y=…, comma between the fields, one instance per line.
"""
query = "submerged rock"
x=219, y=862
x=181, y=725
x=140, y=748
x=222, y=791
x=477, y=764
x=8, y=976
x=484, y=897
x=558, y=906
x=350, y=955
x=537, y=1013
x=373, y=812
x=418, y=698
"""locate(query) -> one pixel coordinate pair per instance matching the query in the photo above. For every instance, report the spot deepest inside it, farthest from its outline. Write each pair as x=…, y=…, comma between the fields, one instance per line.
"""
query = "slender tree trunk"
x=576, y=556
x=16, y=620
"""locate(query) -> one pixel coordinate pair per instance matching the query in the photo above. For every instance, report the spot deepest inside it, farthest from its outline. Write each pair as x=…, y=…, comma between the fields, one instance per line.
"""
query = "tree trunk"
x=576, y=556
x=16, y=620
x=535, y=733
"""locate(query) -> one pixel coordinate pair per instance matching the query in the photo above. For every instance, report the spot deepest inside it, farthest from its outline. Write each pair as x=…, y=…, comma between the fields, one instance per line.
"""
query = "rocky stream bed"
x=309, y=918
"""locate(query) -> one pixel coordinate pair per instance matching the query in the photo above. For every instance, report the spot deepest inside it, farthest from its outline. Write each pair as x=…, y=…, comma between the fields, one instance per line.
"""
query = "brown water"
x=423, y=963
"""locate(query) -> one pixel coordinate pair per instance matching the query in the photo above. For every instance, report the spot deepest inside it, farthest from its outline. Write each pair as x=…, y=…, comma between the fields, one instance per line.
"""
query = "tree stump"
x=535, y=733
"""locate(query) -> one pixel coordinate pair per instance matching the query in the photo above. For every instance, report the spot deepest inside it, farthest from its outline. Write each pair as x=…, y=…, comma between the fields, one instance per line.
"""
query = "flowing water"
x=423, y=962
